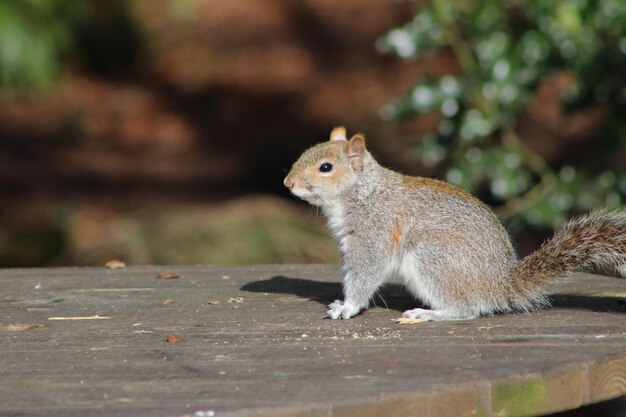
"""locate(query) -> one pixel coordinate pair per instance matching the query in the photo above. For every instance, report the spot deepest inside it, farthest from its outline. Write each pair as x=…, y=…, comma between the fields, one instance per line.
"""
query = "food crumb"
x=214, y=302
x=236, y=299
x=169, y=301
x=404, y=320
x=205, y=413
x=115, y=264
x=21, y=327
x=168, y=275
x=173, y=338
x=142, y=331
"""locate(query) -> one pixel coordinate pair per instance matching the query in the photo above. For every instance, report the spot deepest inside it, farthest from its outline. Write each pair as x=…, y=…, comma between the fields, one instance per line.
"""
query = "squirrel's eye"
x=326, y=167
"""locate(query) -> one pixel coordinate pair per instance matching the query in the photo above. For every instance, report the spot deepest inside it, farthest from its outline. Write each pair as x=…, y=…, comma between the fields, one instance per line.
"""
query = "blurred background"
x=159, y=132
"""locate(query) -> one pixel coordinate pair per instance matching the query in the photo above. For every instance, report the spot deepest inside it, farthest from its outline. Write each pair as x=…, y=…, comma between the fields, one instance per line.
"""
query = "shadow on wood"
x=391, y=296
x=592, y=302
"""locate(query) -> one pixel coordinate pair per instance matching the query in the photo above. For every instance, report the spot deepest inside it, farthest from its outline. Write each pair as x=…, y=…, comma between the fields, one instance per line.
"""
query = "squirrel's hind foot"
x=437, y=315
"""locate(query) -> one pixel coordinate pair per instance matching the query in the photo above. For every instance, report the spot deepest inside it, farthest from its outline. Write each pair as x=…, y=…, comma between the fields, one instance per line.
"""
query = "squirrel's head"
x=324, y=171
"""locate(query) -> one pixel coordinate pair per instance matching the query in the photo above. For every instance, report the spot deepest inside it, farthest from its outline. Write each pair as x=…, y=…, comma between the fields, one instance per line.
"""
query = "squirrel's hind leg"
x=438, y=315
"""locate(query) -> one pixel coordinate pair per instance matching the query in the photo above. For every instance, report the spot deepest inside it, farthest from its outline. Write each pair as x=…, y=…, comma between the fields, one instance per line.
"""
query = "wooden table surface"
x=93, y=342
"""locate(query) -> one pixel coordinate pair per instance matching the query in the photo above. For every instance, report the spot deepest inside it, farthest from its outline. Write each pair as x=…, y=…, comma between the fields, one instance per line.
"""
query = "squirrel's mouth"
x=307, y=194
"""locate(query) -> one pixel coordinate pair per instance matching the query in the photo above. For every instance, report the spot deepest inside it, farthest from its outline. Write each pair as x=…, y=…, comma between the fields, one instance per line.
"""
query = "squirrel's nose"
x=288, y=183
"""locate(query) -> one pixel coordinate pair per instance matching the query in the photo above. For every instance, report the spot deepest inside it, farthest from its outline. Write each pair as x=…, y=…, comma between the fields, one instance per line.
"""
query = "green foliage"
x=504, y=50
x=37, y=37
x=34, y=34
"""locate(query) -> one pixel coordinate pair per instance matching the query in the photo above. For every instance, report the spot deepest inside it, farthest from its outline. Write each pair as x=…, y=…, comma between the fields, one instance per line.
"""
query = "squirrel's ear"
x=356, y=151
x=338, y=133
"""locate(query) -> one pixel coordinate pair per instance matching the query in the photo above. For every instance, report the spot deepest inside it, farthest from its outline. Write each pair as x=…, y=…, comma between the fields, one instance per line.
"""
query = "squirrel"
x=448, y=248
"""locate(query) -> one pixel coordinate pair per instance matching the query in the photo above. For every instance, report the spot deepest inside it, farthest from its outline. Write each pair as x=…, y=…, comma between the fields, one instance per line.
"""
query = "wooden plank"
x=265, y=349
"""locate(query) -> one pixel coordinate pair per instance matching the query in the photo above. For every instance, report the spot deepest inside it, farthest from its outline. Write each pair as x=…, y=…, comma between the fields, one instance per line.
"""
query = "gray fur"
x=448, y=249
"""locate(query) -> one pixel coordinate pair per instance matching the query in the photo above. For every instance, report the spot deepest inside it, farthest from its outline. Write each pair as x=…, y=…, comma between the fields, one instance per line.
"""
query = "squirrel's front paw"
x=341, y=309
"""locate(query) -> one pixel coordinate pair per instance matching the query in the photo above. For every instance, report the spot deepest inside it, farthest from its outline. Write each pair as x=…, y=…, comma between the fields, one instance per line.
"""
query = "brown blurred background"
x=166, y=138
x=167, y=141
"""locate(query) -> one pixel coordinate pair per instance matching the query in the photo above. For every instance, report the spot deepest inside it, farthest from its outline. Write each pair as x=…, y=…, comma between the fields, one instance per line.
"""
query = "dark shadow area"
x=261, y=150
x=610, y=408
x=109, y=42
x=598, y=304
x=230, y=158
x=392, y=296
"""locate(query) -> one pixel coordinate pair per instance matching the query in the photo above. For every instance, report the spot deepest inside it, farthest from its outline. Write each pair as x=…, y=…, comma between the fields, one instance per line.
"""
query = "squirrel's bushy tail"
x=593, y=241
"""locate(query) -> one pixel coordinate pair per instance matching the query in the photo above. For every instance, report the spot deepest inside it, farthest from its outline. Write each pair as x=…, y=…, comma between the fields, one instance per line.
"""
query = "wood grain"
x=269, y=352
